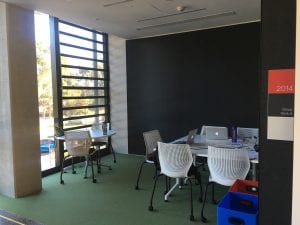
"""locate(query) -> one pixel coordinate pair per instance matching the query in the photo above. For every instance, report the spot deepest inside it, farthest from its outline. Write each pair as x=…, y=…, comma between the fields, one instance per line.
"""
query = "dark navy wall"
x=179, y=82
x=276, y=157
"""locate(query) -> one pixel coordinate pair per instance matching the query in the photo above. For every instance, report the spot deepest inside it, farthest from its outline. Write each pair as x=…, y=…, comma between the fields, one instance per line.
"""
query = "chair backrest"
x=226, y=165
x=78, y=143
x=151, y=138
x=175, y=159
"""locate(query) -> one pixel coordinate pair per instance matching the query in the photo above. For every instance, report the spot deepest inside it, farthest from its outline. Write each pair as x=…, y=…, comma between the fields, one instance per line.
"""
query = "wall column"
x=275, y=156
x=20, y=164
x=118, y=93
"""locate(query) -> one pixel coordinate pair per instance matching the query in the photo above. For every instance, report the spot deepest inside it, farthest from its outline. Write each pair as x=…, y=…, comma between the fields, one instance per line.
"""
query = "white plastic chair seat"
x=78, y=143
x=227, y=165
x=175, y=159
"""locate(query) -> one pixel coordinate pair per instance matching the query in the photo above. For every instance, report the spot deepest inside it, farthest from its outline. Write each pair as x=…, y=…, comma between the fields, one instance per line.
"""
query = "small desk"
x=96, y=133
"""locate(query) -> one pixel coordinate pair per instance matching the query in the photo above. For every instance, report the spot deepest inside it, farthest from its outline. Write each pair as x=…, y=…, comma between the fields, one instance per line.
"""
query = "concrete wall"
x=6, y=167
x=20, y=172
x=118, y=93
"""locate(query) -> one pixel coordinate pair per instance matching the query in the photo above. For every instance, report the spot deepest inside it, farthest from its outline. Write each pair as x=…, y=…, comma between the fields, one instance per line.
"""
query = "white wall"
x=118, y=93
x=296, y=162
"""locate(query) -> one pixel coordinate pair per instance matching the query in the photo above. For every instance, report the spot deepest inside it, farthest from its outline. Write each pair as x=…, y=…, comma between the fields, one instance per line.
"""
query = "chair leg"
x=98, y=161
x=192, y=209
x=199, y=179
x=100, y=164
x=203, y=219
x=214, y=201
x=86, y=165
x=73, y=170
x=150, y=208
x=113, y=152
x=138, y=178
x=167, y=185
x=62, y=170
x=93, y=176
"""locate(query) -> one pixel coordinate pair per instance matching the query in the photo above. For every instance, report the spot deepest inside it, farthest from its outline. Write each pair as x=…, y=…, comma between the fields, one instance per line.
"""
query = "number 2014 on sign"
x=284, y=88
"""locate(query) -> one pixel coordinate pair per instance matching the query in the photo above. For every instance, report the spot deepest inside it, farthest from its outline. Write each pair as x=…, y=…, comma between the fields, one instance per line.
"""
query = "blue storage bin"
x=238, y=209
x=46, y=145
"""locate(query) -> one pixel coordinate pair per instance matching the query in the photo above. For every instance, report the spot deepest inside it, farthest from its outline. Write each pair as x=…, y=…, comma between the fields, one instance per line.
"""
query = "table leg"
x=254, y=171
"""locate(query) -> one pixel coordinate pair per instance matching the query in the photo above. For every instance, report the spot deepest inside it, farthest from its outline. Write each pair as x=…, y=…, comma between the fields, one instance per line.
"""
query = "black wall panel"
x=276, y=157
x=179, y=82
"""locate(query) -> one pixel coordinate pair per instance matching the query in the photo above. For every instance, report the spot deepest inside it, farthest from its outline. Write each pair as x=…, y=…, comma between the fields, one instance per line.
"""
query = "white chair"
x=150, y=138
x=226, y=165
x=78, y=144
x=175, y=161
x=99, y=144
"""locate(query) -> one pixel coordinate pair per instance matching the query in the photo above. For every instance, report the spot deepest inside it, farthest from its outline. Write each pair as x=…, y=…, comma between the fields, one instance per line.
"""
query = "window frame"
x=60, y=76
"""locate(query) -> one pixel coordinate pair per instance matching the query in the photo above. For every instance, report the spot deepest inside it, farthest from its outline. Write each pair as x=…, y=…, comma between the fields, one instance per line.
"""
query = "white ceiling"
x=140, y=18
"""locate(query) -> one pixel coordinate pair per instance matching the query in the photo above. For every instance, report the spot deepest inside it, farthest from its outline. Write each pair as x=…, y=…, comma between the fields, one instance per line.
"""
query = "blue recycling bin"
x=46, y=145
x=238, y=209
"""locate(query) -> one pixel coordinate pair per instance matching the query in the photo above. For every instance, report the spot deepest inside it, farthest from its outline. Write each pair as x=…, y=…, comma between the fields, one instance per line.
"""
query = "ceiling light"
x=116, y=3
x=180, y=8
x=212, y=16
x=168, y=15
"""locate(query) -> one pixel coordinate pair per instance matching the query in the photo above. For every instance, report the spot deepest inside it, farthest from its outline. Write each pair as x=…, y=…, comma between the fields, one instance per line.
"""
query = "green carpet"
x=112, y=200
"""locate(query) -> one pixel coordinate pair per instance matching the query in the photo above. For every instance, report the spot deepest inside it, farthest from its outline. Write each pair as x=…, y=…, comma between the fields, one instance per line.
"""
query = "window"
x=83, y=76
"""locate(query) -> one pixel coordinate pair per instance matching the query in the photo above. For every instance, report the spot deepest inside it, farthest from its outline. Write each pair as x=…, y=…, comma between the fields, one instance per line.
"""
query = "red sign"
x=281, y=81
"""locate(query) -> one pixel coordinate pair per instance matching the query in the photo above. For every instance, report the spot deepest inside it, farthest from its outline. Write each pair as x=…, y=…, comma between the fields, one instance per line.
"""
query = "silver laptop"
x=216, y=133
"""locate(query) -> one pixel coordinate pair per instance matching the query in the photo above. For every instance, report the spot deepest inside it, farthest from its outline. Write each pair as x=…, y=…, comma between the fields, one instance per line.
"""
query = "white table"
x=96, y=134
x=201, y=151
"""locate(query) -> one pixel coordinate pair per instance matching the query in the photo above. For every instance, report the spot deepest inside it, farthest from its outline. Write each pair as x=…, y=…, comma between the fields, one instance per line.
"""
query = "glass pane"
x=83, y=112
x=82, y=83
x=77, y=62
x=100, y=47
x=75, y=41
x=82, y=102
x=99, y=37
x=45, y=95
x=74, y=30
x=81, y=73
x=76, y=51
x=69, y=93
x=82, y=122
x=100, y=56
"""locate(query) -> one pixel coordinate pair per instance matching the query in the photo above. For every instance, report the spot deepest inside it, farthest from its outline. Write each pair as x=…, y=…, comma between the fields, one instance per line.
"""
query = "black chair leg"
x=203, y=219
x=213, y=194
x=192, y=209
x=73, y=169
x=150, y=208
x=167, y=185
x=199, y=179
x=86, y=165
x=138, y=178
x=113, y=152
x=98, y=161
x=62, y=170
x=93, y=175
